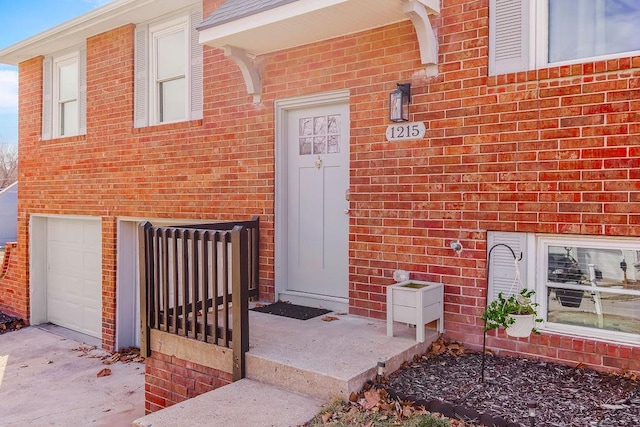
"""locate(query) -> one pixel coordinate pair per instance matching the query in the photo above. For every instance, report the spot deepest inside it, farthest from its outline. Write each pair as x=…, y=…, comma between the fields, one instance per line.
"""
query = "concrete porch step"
x=326, y=359
x=242, y=403
x=293, y=367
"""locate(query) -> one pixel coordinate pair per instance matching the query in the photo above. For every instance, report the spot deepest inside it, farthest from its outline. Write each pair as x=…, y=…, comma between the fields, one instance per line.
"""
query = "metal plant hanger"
x=486, y=299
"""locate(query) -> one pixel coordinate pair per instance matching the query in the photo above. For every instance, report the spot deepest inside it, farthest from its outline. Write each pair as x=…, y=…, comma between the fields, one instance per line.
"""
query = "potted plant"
x=517, y=314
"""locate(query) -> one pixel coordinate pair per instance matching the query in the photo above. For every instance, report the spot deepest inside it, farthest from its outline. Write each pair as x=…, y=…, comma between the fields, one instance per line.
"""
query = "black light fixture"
x=399, y=101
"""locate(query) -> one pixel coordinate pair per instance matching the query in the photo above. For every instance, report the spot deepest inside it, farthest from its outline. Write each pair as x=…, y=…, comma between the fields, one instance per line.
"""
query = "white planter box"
x=416, y=303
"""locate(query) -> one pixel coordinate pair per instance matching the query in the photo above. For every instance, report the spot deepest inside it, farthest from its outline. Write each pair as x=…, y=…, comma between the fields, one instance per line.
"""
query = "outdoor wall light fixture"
x=399, y=101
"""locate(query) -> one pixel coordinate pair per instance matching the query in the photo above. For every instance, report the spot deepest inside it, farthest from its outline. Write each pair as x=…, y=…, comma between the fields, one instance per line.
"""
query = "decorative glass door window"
x=319, y=135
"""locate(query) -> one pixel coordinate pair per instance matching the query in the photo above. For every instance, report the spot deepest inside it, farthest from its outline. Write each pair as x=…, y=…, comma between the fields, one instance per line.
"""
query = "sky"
x=19, y=20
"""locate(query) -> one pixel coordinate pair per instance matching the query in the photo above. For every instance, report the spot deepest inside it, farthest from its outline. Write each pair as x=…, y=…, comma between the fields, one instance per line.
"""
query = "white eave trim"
x=307, y=21
x=76, y=31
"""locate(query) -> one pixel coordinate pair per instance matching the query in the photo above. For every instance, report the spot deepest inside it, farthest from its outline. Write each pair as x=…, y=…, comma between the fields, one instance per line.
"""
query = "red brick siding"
x=169, y=380
x=547, y=151
x=13, y=295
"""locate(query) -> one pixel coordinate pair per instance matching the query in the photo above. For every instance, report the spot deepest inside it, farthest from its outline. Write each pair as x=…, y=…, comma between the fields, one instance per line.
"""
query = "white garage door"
x=74, y=274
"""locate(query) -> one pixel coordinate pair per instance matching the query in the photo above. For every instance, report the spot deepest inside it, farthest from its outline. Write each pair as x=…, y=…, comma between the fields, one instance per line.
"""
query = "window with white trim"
x=168, y=71
x=587, y=286
x=531, y=34
x=64, y=95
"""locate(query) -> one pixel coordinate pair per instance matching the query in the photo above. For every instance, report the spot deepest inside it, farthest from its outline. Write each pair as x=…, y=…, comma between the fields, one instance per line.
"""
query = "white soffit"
x=302, y=22
x=76, y=31
x=307, y=21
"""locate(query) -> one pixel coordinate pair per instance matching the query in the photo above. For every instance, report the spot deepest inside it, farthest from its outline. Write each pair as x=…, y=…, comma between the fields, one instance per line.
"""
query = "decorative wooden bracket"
x=249, y=71
x=418, y=12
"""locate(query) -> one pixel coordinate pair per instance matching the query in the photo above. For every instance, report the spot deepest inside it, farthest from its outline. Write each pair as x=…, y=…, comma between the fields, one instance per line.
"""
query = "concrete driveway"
x=49, y=380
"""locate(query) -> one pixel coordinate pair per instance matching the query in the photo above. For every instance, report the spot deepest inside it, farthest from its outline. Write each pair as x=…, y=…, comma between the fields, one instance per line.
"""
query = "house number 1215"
x=406, y=131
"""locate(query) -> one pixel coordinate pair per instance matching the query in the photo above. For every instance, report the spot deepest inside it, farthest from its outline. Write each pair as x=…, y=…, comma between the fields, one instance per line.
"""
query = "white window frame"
x=156, y=32
x=534, y=273
x=59, y=62
x=51, y=125
x=540, y=40
x=542, y=244
x=146, y=96
x=519, y=38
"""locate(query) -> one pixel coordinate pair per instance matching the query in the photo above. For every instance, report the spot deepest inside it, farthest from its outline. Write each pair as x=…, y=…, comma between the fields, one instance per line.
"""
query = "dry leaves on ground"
x=104, y=372
x=373, y=406
x=9, y=323
x=125, y=355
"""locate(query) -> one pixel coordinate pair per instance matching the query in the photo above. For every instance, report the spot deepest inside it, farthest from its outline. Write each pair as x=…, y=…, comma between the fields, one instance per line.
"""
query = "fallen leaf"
x=372, y=398
x=386, y=406
x=326, y=417
x=353, y=397
x=104, y=372
x=329, y=318
x=407, y=411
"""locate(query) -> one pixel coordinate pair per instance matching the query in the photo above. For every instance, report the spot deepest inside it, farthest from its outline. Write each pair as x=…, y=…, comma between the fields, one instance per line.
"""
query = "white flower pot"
x=522, y=326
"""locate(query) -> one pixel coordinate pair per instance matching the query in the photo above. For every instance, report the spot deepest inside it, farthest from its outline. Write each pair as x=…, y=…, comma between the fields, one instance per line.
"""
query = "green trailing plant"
x=499, y=311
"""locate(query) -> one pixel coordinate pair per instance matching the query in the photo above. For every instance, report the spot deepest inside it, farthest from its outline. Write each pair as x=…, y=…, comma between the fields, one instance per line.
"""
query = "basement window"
x=586, y=286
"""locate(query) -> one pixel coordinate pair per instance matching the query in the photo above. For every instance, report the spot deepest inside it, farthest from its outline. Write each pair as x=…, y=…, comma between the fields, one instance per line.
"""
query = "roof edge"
x=96, y=21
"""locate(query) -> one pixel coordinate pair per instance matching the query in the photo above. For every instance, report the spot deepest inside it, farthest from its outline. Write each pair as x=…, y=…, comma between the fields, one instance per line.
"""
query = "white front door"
x=317, y=201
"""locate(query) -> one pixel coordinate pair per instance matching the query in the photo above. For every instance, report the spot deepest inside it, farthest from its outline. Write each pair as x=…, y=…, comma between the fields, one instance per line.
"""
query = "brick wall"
x=551, y=151
x=13, y=295
x=170, y=380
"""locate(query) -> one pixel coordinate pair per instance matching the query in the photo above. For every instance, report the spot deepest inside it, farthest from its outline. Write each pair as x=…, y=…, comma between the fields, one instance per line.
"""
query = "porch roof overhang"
x=74, y=32
x=245, y=29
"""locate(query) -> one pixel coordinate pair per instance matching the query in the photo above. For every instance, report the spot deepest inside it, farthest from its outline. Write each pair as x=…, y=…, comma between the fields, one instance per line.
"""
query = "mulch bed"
x=565, y=396
x=292, y=311
x=8, y=323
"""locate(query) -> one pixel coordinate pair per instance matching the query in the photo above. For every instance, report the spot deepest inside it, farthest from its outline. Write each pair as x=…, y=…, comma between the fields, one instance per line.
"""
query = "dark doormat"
x=293, y=311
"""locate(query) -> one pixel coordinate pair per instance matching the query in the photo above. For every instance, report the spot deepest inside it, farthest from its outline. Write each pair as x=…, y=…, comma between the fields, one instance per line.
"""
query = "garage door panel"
x=63, y=258
x=91, y=265
x=92, y=319
x=92, y=292
x=92, y=234
x=66, y=313
x=64, y=287
x=74, y=274
x=64, y=230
